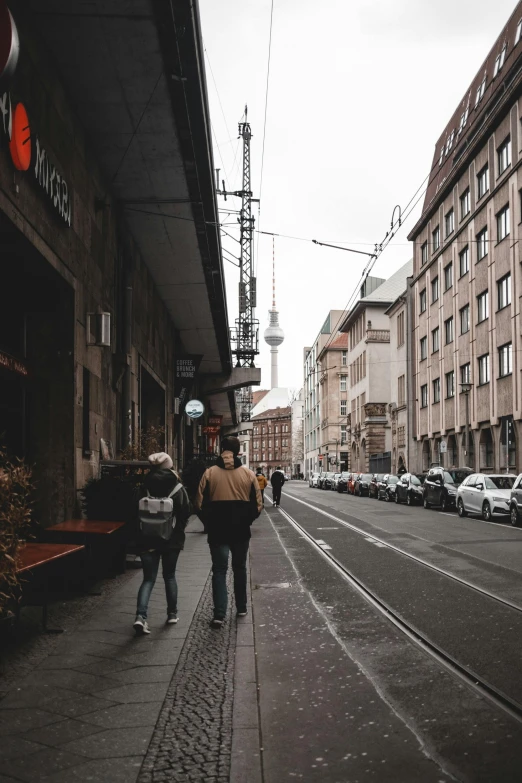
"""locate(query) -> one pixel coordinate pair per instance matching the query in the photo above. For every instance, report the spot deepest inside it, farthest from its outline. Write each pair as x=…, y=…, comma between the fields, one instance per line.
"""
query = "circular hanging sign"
x=9, y=43
x=20, y=144
x=194, y=409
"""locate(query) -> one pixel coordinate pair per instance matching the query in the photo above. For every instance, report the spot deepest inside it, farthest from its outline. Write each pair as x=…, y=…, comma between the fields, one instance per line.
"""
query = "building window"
x=464, y=261
x=423, y=348
x=424, y=395
x=499, y=61
x=519, y=30
x=504, y=291
x=344, y=358
x=503, y=223
x=505, y=360
x=401, y=390
x=504, y=155
x=424, y=254
x=400, y=329
x=435, y=340
x=343, y=379
x=422, y=300
x=344, y=434
x=463, y=119
x=343, y=407
x=450, y=384
x=483, y=181
x=464, y=319
x=465, y=204
x=448, y=276
x=435, y=289
x=483, y=306
x=465, y=373
x=448, y=331
x=483, y=365
x=276, y=429
x=482, y=244
x=436, y=390
x=449, y=143
x=270, y=457
x=441, y=158
x=435, y=239
x=401, y=436
x=481, y=89
x=450, y=222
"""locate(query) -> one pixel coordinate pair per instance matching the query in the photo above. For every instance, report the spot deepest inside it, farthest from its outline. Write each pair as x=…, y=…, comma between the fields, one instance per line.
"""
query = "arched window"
x=486, y=455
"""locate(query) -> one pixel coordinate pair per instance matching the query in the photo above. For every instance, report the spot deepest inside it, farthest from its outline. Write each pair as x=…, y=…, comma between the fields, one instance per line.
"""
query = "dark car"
x=374, y=484
x=362, y=484
x=440, y=486
x=342, y=484
x=409, y=488
x=327, y=480
x=386, y=489
x=351, y=482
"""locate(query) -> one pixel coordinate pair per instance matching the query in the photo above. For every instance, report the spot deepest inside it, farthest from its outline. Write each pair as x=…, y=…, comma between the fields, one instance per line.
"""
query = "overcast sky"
x=359, y=92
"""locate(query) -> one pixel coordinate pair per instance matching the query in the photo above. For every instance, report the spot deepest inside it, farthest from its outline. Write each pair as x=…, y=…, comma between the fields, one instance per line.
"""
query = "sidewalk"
x=270, y=697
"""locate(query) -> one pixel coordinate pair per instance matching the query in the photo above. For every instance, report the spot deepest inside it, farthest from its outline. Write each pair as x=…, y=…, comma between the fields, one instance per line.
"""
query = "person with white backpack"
x=163, y=516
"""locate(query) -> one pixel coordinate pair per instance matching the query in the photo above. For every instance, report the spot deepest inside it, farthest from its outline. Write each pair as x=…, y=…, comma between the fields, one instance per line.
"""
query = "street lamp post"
x=466, y=388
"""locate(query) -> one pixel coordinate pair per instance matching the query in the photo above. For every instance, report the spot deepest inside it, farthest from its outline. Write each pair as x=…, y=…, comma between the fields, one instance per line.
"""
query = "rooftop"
x=273, y=413
x=384, y=295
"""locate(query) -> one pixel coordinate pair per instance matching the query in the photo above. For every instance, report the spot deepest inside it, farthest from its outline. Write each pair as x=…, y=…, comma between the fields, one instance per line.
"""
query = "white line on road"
x=328, y=528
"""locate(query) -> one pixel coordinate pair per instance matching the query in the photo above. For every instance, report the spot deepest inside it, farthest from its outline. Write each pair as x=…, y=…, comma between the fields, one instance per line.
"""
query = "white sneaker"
x=172, y=618
x=140, y=626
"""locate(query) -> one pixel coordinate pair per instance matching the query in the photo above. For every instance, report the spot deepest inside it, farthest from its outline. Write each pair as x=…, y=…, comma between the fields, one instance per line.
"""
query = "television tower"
x=274, y=335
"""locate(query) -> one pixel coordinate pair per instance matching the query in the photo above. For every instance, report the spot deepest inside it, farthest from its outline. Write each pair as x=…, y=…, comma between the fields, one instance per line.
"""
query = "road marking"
x=446, y=514
x=328, y=528
x=320, y=541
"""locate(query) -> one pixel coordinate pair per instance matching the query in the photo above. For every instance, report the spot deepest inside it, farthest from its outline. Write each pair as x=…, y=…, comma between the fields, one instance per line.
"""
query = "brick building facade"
x=271, y=444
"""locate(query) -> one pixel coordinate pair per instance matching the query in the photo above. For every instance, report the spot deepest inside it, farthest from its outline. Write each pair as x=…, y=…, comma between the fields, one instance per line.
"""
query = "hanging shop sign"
x=8, y=362
x=185, y=370
x=194, y=409
x=211, y=430
x=215, y=420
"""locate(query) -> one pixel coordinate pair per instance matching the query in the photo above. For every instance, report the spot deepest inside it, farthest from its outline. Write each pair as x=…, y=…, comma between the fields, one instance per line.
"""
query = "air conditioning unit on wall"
x=99, y=329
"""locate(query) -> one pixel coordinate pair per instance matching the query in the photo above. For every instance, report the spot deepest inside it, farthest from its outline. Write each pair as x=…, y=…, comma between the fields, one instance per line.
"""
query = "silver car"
x=485, y=494
x=313, y=481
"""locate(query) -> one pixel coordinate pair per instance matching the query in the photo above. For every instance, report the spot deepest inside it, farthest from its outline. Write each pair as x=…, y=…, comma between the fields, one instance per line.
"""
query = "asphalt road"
x=458, y=726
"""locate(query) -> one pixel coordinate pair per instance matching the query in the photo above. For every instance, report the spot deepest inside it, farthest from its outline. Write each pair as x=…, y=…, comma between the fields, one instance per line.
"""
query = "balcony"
x=377, y=335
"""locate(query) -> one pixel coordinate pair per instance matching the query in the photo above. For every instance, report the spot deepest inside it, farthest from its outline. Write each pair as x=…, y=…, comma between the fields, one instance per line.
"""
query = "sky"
x=359, y=91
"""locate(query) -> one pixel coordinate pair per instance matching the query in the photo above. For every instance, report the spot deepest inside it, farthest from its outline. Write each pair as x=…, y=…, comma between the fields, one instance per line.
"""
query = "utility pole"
x=245, y=336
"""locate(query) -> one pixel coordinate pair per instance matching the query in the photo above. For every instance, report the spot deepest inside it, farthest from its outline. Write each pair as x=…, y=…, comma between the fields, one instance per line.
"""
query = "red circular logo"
x=20, y=144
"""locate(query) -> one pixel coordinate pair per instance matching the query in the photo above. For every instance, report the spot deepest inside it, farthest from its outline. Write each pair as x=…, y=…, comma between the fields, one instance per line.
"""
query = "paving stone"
x=5, y=779
x=80, y=705
x=12, y=747
x=120, y=716
x=104, y=666
x=62, y=662
x=37, y=765
x=16, y=721
x=161, y=658
x=112, y=743
x=59, y=733
x=137, y=692
x=143, y=674
x=70, y=679
x=35, y=696
x=117, y=770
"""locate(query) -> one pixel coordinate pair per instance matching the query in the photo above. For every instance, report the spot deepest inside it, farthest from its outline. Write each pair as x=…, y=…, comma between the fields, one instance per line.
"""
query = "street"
x=459, y=719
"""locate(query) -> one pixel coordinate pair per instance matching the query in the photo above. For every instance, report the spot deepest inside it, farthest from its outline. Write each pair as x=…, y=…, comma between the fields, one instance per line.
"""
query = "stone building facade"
x=271, y=444
x=399, y=409
x=334, y=403
x=466, y=336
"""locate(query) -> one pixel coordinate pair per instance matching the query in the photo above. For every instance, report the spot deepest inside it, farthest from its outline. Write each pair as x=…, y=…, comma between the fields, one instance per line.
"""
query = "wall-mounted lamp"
x=99, y=329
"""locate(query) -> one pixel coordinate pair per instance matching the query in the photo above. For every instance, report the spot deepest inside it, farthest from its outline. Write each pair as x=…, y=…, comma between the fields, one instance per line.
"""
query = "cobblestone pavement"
x=193, y=737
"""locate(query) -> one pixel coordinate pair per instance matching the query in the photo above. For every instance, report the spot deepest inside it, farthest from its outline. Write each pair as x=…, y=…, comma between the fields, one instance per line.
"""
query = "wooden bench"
x=42, y=558
x=87, y=531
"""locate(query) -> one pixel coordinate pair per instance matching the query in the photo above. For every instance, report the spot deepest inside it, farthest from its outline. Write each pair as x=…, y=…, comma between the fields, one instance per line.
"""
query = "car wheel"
x=425, y=502
x=409, y=501
x=486, y=511
x=397, y=498
x=360, y=492
x=387, y=497
x=460, y=508
x=444, y=503
x=379, y=496
x=514, y=516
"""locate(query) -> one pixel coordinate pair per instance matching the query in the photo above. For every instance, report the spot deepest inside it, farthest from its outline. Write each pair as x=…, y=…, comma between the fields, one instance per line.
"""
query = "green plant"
x=146, y=442
x=15, y=523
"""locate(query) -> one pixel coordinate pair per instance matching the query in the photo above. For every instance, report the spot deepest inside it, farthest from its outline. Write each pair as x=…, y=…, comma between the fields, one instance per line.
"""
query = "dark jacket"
x=228, y=500
x=160, y=484
x=277, y=479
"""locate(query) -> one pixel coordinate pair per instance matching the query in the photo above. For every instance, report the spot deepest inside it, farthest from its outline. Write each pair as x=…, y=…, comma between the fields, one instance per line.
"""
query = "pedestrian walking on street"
x=154, y=545
x=227, y=502
x=277, y=479
x=261, y=480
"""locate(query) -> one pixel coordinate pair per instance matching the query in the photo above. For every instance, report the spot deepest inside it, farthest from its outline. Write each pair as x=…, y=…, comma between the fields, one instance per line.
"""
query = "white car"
x=335, y=481
x=485, y=494
x=313, y=481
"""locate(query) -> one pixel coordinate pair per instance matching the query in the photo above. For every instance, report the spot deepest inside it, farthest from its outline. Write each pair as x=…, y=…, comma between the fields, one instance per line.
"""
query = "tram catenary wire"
x=451, y=664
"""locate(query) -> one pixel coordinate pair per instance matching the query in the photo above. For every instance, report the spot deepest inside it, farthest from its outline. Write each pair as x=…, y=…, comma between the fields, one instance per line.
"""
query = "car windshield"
x=448, y=478
x=378, y=477
x=416, y=481
x=344, y=475
x=499, y=482
x=393, y=479
x=366, y=477
x=457, y=476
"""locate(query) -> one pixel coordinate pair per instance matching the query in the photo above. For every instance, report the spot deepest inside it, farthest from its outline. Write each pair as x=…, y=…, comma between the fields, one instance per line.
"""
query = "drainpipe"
x=127, y=351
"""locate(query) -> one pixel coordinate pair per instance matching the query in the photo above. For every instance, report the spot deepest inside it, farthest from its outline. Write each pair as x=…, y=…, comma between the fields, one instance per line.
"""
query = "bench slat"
x=34, y=555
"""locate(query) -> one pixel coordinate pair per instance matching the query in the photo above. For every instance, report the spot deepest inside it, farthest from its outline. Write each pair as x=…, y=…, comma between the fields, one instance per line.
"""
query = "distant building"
x=334, y=403
x=297, y=448
x=271, y=440
x=399, y=314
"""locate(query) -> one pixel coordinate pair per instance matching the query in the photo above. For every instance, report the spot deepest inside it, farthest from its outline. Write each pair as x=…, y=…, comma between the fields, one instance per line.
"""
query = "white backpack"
x=156, y=515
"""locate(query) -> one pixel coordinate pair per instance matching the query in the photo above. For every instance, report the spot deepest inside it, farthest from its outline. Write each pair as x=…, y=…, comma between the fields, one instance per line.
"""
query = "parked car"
x=409, y=488
x=515, y=502
x=440, y=486
x=287, y=477
x=327, y=480
x=362, y=484
x=351, y=482
x=386, y=488
x=374, y=484
x=313, y=481
x=335, y=481
x=342, y=484
x=485, y=494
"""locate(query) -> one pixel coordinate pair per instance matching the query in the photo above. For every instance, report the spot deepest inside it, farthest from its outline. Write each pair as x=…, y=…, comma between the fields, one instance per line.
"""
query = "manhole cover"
x=273, y=584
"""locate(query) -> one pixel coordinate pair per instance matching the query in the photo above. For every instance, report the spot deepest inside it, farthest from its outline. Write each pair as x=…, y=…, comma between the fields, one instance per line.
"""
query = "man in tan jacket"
x=227, y=502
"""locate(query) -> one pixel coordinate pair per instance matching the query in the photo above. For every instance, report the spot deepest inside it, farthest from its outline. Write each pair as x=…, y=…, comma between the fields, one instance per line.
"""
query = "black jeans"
x=276, y=494
x=220, y=554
